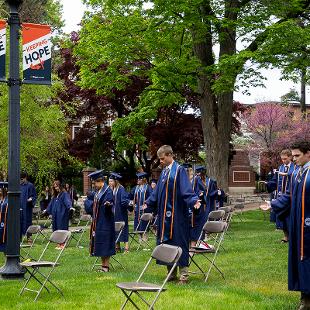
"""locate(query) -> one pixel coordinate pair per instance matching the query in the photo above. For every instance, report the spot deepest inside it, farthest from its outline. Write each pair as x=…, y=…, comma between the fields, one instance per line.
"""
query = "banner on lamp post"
x=2, y=48
x=36, y=54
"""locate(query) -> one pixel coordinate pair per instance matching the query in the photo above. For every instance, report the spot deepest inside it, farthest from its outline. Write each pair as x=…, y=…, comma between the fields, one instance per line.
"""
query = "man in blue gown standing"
x=28, y=199
x=173, y=196
x=296, y=201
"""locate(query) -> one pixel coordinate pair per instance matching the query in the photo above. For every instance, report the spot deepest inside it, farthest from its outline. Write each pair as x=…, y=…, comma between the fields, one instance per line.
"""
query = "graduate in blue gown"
x=173, y=196
x=59, y=207
x=197, y=215
x=138, y=195
x=221, y=197
x=28, y=199
x=102, y=231
x=121, y=204
x=279, y=183
x=296, y=201
x=210, y=193
x=3, y=214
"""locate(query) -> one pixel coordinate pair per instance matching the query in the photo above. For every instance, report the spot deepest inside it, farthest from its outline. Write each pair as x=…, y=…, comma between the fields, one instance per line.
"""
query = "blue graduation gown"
x=3, y=223
x=297, y=201
x=88, y=202
x=221, y=199
x=279, y=185
x=27, y=191
x=121, y=202
x=184, y=198
x=102, y=231
x=210, y=197
x=197, y=217
x=139, y=194
x=59, y=208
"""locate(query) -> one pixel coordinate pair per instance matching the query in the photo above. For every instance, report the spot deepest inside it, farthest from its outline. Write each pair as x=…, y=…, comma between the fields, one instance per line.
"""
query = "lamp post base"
x=12, y=269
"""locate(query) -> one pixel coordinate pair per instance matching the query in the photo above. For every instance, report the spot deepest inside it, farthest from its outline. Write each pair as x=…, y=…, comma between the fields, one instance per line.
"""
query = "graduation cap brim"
x=186, y=165
x=200, y=169
x=142, y=175
x=115, y=176
x=99, y=174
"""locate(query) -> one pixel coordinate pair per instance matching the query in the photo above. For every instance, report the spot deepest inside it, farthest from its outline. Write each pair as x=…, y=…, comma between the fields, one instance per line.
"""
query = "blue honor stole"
x=305, y=212
x=169, y=204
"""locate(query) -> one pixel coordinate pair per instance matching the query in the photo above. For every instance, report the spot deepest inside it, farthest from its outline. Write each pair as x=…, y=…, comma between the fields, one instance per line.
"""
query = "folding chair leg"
x=95, y=263
x=194, y=262
x=129, y=299
x=118, y=262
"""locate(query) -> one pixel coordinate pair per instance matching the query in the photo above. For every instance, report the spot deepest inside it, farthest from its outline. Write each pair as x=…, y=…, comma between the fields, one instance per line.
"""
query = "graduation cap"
x=154, y=181
x=200, y=169
x=187, y=165
x=141, y=175
x=115, y=176
x=99, y=174
x=4, y=184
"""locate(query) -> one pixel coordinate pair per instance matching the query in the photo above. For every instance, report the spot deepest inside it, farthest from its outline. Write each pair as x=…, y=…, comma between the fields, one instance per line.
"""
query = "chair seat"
x=76, y=230
x=198, y=250
x=39, y=264
x=139, y=286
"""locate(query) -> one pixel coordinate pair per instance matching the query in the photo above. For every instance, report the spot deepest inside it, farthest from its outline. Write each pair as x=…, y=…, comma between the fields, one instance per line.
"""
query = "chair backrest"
x=60, y=236
x=216, y=215
x=225, y=209
x=146, y=217
x=214, y=227
x=239, y=206
x=33, y=229
x=167, y=253
x=119, y=226
x=85, y=218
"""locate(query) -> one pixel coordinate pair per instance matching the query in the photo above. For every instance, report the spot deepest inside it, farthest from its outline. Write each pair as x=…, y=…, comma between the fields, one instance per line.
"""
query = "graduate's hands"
x=29, y=199
x=266, y=206
x=144, y=206
x=197, y=204
x=219, y=192
x=107, y=203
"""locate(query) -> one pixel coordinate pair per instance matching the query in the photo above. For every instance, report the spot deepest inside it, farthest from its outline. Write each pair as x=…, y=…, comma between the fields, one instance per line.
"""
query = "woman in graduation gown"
x=59, y=208
x=121, y=204
x=3, y=214
x=296, y=202
x=196, y=215
x=210, y=192
x=102, y=231
x=139, y=194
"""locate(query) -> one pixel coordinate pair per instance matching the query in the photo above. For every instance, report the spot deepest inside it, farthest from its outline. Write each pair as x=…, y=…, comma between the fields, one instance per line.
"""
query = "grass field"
x=254, y=263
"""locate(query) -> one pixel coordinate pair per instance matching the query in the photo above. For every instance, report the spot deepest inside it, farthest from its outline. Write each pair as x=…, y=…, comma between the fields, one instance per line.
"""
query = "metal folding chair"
x=140, y=236
x=24, y=246
x=211, y=227
x=34, y=268
x=77, y=232
x=119, y=227
x=165, y=253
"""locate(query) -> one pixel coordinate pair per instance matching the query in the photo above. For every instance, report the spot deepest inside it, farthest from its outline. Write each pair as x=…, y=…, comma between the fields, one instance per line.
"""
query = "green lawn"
x=254, y=263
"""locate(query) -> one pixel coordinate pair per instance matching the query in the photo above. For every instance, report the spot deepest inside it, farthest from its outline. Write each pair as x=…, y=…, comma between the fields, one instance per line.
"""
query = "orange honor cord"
x=173, y=200
x=303, y=216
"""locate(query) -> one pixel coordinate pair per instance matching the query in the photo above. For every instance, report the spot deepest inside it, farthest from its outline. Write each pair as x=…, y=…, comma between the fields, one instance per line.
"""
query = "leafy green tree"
x=189, y=45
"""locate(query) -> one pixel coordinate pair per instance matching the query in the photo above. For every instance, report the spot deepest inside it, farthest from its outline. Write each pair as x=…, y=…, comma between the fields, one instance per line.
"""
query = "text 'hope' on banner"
x=2, y=48
x=36, y=53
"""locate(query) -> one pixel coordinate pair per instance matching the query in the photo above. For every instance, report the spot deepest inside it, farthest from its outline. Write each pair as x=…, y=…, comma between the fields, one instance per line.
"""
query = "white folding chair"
x=34, y=267
x=165, y=253
x=77, y=232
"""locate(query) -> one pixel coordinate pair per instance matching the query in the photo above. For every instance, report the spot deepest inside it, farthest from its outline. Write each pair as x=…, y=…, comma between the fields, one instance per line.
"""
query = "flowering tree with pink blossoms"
x=274, y=127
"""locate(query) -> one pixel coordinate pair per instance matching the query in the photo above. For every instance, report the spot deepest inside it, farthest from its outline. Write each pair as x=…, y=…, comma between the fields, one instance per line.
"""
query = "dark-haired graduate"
x=102, y=230
x=138, y=196
x=173, y=196
x=210, y=193
x=121, y=204
x=3, y=214
x=28, y=199
x=196, y=216
x=296, y=201
x=59, y=208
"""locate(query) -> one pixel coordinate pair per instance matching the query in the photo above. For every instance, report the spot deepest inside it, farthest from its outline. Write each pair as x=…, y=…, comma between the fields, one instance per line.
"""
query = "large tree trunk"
x=216, y=109
x=303, y=92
